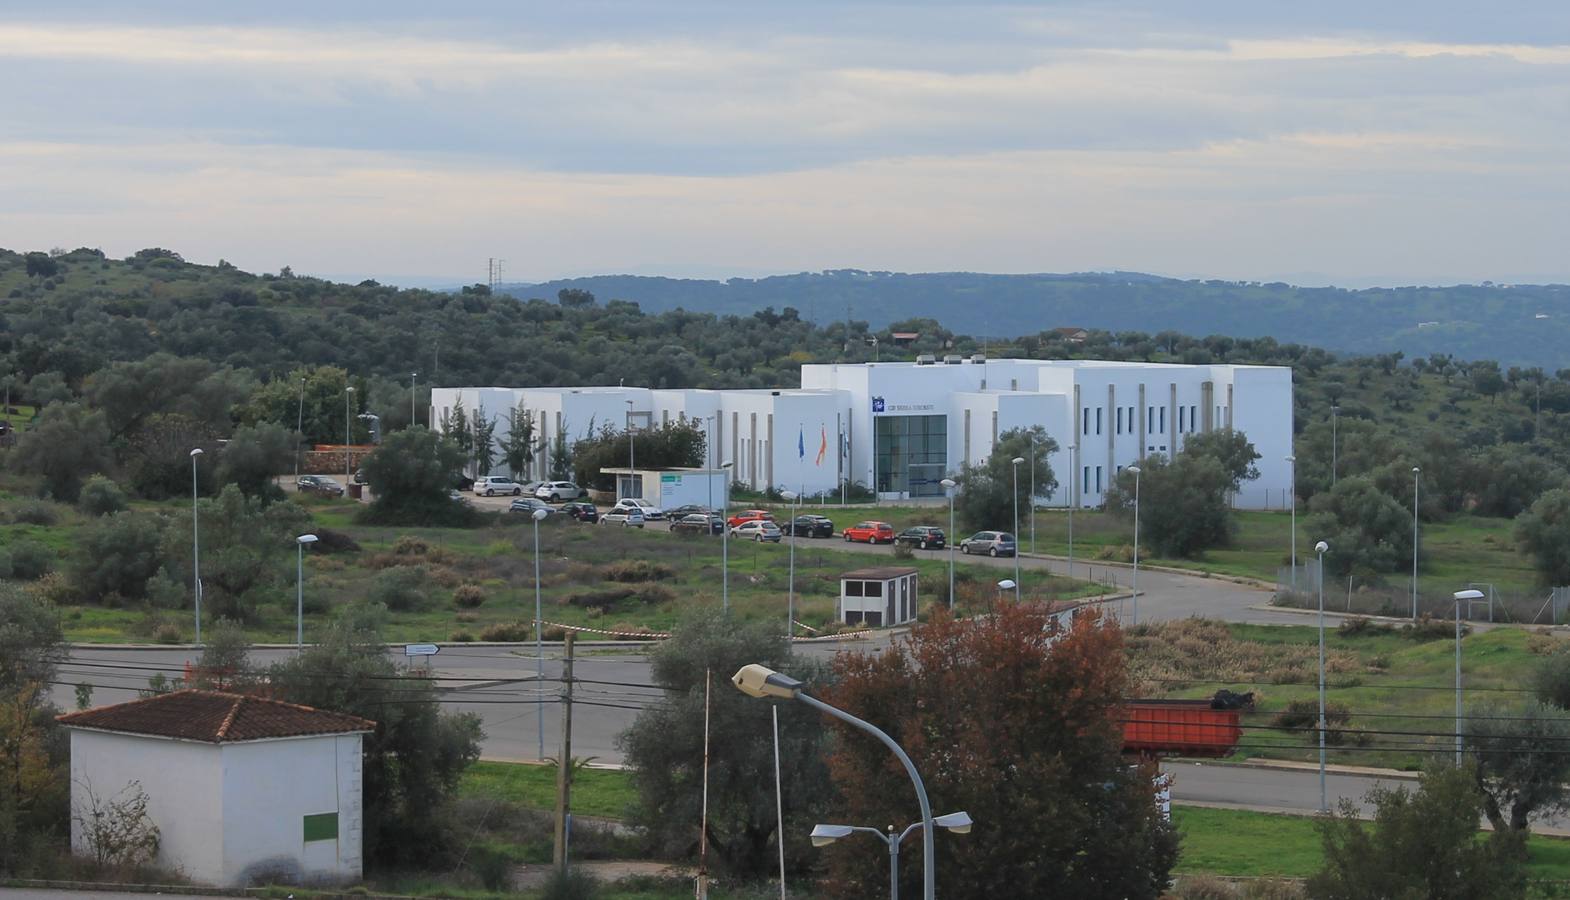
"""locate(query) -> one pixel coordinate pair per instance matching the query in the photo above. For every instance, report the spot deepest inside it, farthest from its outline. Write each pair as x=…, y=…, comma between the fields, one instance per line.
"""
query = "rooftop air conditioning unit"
x=979, y=358
x=953, y=359
x=926, y=360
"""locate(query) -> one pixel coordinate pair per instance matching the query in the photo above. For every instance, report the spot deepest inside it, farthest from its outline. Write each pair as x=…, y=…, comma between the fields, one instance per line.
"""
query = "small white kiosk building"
x=879, y=596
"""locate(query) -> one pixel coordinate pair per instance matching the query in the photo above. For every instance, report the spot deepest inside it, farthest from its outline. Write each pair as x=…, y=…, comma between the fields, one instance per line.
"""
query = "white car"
x=557, y=491
x=649, y=510
x=491, y=485
x=625, y=516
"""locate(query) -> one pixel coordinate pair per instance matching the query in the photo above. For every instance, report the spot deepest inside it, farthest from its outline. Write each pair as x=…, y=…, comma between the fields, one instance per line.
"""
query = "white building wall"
x=269, y=787
x=1262, y=410
x=184, y=785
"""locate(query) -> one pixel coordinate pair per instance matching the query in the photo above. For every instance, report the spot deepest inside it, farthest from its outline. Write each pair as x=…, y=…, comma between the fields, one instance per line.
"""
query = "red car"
x=871, y=533
x=749, y=515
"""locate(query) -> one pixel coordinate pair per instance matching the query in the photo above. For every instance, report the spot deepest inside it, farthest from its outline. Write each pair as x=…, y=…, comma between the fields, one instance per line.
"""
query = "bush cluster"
x=635, y=570
x=468, y=596
x=400, y=589
x=505, y=632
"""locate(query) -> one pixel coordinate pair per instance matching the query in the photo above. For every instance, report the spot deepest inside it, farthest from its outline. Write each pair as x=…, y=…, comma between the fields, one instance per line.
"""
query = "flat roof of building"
x=880, y=573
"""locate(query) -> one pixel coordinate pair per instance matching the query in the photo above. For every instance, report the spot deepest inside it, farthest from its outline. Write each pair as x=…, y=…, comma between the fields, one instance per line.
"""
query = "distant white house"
x=242, y=789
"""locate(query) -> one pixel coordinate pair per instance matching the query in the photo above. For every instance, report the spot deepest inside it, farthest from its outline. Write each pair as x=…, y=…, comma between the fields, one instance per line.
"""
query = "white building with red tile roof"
x=243, y=789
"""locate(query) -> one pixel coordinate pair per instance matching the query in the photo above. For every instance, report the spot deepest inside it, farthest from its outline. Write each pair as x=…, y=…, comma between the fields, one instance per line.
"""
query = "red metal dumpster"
x=1179, y=728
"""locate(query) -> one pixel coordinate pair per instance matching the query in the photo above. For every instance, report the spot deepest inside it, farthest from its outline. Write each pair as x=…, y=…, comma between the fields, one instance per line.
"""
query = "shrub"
x=493, y=868
x=634, y=570
x=30, y=561
x=467, y=618
x=505, y=632
x=1303, y=714
x=655, y=594
x=903, y=551
x=461, y=636
x=1361, y=626
x=329, y=541
x=468, y=596
x=167, y=633
x=35, y=512
x=400, y=589
x=604, y=599
x=118, y=554
x=573, y=884
x=101, y=496
x=1428, y=628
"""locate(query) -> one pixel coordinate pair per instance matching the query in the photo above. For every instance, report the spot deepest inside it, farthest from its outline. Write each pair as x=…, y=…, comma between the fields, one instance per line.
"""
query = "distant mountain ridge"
x=1523, y=325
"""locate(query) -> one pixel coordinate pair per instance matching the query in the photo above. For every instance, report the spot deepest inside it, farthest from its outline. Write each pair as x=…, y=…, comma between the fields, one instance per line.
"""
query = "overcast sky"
x=1398, y=141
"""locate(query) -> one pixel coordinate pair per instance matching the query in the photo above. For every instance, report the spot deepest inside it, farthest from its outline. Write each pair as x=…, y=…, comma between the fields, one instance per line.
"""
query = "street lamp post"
x=760, y=681
x=1324, y=801
x=299, y=432
x=823, y=835
x=196, y=549
x=1334, y=410
x=948, y=488
x=1468, y=595
x=414, y=418
x=1293, y=461
x=727, y=465
x=539, y=638
x=1015, y=463
x=348, y=436
x=299, y=588
x=1135, y=590
x=790, y=591
x=632, y=459
x=1416, y=472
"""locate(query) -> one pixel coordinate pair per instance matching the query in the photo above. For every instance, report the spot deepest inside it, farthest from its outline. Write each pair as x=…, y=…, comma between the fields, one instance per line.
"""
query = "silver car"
x=626, y=517
x=759, y=530
x=991, y=543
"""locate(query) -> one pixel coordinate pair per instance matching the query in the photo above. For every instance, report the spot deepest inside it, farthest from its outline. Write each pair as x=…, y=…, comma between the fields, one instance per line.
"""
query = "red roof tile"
x=215, y=717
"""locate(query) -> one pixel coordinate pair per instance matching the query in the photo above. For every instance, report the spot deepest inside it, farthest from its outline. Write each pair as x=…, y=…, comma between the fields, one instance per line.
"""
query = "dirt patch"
x=606, y=870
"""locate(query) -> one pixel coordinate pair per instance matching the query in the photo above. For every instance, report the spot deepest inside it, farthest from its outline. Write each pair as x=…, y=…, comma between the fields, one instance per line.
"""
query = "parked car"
x=557, y=491
x=625, y=516
x=649, y=510
x=992, y=543
x=359, y=475
x=491, y=485
x=528, y=505
x=870, y=533
x=810, y=526
x=582, y=510
x=759, y=530
x=319, y=484
x=457, y=496
x=749, y=515
x=922, y=537
x=698, y=523
x=688, y=509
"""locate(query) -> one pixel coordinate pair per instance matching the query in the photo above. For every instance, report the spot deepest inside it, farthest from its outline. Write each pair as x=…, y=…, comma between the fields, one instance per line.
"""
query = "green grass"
x=600, y=793
x=1242, y=843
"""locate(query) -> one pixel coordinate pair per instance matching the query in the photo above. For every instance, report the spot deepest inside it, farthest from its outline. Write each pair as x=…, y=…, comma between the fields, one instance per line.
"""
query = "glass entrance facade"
x=911, y=454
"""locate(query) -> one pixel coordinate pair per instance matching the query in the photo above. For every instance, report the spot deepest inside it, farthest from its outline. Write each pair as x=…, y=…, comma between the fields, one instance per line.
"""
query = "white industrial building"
x=901, y=427
x=243, y=790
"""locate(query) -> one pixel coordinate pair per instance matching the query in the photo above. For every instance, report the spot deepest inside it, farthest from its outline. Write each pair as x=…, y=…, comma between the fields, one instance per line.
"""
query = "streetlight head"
x=307, y=539
x=1321, y=547
x=1018, y=459
x=197, y=452
x=1135, y=469
x=1416, y=470
x=762, y=681
x=957, y=822
x=789, y=495
x=824, y=835
x=540, y=514
x=1007, y=584
x=949, y=483
x=1291, y=459
x=349, y=389
x=1469, y=595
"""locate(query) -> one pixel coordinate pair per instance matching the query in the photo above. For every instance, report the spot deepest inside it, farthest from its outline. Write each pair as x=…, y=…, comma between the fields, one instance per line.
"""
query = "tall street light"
x=948, y=488
x=299, y=432
x=1072, y=482
x=348, y=436
x=790, y=593
x=1416, y=472
x=299, y=588
x=727, y=465
x=1468, y=596
x=1135, y=591
x=1015, y=462
x=632, y=460
x=539, y=639
x=1324, y=801
x=1293, y=461
x=414, y=418
x=824, y=835
x=1334, y=410
x=196, y=549
x=760, y=681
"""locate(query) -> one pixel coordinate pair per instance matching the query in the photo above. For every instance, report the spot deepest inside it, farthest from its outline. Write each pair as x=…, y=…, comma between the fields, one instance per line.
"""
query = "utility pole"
x=564, y=762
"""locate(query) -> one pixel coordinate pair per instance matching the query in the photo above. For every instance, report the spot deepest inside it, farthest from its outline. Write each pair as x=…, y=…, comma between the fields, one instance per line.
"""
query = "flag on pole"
x=801, y=443
x=823, y=444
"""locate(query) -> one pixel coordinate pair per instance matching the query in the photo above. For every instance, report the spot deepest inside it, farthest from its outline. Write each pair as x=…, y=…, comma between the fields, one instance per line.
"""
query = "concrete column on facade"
x=1144, y=416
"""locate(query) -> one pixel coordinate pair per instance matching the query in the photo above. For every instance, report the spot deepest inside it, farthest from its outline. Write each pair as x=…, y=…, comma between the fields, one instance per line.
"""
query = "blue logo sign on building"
x=877, y=404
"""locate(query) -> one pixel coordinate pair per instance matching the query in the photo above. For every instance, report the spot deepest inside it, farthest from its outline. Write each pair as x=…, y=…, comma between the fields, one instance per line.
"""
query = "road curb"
x=1285, y=765
x=1400, y=620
